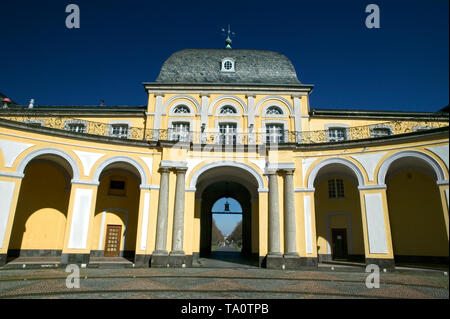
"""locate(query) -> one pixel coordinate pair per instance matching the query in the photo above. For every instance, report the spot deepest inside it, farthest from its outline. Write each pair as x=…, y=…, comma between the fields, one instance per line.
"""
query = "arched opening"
x=116, y=213
x=416, y=216
x=40, y=219
x=238, y=184
x=338, y=215
x=226, y=225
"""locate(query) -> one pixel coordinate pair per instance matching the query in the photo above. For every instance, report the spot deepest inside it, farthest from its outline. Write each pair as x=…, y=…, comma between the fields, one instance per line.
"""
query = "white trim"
x=243, y=166
x=335, y=160
x=119, y=122
x=284, y=110
x=145, y=218
x=370, y=187
x=369, y=162
x=192, y=104
x=234, y=105
x=224, y=97
x=173, y=164
x=116, y=159
x=6, y=195
x=54, y=151
x=11, y=174
x=376, y=229
x=233, y=65
x=304, y=190
x=350, y=233
x=308, y=225
x=280, y=99
x=80, y=218
x=382, y=172
x=11, y=150
x=88, y=160
x=329, y=126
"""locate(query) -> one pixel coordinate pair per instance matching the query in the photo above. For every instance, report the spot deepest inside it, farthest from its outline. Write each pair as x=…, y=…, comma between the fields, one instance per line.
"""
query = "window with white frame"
x=227, y=133
x=76, y=127
x=380, y=131
x=274, y=133
x=337, y=134
x=181, y=109
x=227, y=65
x=34, y=123
x=180, y=131
x=274, y=110
x=228, y=109
x=336, y=188
x=119, y=130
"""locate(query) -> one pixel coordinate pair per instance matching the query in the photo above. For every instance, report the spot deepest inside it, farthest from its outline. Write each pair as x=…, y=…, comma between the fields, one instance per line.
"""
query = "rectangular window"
x=336, y=188
x=119, y=130
x=78, y=128
x=227, y=133
x=117, y=186
x=180, y=132
x=380, y=131
x=337, y=134
x=274, y=133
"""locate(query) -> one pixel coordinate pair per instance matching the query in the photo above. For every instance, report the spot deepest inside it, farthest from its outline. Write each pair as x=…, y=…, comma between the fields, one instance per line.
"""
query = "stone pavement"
x=208, y=283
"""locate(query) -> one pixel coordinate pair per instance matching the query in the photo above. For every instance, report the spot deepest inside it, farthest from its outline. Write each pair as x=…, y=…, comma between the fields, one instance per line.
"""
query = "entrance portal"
x=236, y=185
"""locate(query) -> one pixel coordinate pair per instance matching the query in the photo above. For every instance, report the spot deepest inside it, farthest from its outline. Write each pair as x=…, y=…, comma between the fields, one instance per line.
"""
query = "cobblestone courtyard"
x=204, y=283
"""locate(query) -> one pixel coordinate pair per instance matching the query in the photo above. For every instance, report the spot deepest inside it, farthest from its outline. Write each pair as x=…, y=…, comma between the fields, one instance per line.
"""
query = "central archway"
x=228, y=182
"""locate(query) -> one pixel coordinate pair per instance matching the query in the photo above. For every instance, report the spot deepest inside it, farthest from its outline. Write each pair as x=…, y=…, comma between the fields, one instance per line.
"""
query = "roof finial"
x=228, y=39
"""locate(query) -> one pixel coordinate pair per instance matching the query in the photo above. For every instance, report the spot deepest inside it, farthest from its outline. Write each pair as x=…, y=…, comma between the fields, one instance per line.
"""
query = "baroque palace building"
x=82, y=182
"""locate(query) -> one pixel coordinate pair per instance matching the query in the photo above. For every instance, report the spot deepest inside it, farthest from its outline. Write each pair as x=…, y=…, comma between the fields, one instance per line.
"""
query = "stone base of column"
x=294, y=261
x=383, y=263
x=159, y=259
x=2, y=260
x=78, y=259
x=142, y=261
x=274, y=261
x=177, y=259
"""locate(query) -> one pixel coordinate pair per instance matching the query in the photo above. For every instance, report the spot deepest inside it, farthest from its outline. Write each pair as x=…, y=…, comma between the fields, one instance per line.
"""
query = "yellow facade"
x=57, y=197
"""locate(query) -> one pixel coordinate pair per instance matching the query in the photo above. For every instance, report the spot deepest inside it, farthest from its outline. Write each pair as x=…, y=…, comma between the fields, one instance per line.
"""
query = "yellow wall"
x=350, y=205
x=40, y=218
x=416, y=216
x=115, y=207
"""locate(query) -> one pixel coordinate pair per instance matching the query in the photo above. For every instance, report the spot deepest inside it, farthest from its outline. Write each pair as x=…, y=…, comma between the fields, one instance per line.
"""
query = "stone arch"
x=124, y=159
x=50, y=151
x=237, y=100
x=433, y=164
x=193, y=103
x=279, y=99
x=246, y=167
x=335, y=160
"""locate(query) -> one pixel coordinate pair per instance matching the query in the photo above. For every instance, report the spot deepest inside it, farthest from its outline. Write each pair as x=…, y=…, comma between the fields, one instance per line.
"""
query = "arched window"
x=274, y=110
x=181, y=109
x=227, y=109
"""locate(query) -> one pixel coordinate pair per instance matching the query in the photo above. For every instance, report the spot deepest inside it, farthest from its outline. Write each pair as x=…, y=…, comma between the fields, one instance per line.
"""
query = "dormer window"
x=227, y=65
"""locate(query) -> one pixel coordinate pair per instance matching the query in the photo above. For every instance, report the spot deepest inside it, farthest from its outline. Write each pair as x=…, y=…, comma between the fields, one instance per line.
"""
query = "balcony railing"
x=238, y=138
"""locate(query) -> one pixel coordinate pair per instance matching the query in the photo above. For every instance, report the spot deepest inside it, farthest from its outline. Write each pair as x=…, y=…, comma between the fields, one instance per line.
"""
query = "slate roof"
x=196, y=66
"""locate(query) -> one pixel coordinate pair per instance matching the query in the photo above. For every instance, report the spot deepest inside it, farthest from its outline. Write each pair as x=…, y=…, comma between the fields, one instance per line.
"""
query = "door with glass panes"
x=227, y=133
x=274, y=133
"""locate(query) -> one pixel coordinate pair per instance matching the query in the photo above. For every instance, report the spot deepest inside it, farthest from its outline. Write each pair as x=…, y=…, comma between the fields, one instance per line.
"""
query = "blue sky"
x=402, y=66
x=227, y=223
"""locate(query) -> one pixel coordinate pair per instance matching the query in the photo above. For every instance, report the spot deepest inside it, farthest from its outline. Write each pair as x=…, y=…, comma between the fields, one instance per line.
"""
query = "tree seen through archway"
x=226, y=224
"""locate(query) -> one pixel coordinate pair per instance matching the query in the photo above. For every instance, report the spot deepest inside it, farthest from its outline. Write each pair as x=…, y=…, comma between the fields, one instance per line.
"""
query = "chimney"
x=31, y=105
x=102, y=102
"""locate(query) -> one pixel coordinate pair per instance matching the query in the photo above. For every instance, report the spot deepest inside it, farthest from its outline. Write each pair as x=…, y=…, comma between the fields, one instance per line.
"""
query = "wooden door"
x=112, y=241
x=339, y=238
